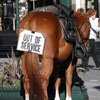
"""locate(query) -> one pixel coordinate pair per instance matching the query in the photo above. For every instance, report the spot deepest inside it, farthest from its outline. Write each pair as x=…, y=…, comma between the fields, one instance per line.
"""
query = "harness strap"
x=93, y=30
x=68, y=35
x=78, y=44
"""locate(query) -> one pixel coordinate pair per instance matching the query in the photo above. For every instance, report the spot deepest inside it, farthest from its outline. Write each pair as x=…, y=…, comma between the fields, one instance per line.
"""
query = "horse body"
x=55, y=48
x=49, y=26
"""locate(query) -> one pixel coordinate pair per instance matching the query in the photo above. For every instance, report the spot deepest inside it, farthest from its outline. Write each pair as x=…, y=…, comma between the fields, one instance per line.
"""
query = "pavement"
x=92, y=80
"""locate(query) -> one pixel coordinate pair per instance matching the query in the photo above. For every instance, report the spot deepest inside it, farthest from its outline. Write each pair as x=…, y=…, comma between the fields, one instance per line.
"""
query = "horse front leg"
x=69, y=73
x=47, y=68
x=57, y=73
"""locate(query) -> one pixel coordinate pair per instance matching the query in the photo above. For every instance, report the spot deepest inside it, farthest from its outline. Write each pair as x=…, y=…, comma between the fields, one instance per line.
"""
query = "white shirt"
x=94, y=25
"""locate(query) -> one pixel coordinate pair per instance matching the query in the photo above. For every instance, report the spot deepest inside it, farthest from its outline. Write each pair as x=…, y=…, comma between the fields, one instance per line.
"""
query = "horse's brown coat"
x=47, y=24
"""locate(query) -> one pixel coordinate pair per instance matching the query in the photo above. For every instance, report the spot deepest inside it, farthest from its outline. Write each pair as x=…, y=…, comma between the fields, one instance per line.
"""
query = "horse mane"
x=78, y=14
x=79, y=17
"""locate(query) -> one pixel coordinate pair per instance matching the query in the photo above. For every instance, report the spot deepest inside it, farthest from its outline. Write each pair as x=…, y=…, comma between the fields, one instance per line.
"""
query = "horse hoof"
x=57, y=98
x=68, y=98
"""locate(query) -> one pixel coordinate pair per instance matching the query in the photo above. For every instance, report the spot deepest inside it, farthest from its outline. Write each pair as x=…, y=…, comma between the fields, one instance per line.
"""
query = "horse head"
x=82, y=27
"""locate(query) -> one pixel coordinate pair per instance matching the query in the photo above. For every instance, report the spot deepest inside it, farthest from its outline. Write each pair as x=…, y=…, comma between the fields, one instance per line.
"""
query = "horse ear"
x=77, y=14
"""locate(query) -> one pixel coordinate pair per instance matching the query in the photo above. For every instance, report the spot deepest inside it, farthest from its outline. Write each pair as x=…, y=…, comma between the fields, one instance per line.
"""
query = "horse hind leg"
x=57, y=85
x=47, y=68
x=25, y=80
x=26, y=88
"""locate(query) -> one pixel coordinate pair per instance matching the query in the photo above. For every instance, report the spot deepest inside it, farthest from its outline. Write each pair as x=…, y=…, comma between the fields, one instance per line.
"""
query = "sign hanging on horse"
x=31, y=42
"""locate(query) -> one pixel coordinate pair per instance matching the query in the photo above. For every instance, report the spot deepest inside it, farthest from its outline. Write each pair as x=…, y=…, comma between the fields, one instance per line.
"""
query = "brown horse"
x=36, y=82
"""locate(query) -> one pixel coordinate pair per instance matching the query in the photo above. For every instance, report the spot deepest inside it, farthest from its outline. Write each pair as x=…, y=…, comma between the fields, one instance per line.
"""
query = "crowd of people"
x=94, y=34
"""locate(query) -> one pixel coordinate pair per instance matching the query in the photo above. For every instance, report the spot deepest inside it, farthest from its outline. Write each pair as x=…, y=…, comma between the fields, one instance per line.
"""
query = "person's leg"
x=94, y=56
x=85, y=63
x=85, y=60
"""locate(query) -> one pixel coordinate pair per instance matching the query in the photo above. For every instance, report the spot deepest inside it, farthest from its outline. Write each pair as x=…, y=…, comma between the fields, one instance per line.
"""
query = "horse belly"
x=64, y=51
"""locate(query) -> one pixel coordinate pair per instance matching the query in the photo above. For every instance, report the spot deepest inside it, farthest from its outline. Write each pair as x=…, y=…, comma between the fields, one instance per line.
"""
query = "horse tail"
x=33, y=71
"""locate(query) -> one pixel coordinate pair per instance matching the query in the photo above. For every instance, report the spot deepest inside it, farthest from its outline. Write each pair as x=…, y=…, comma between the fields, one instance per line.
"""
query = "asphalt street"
x=92, y=80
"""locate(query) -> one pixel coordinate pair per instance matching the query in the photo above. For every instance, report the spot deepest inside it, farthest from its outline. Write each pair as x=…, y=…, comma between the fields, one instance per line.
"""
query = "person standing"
x=94, y=23
x=94, y=29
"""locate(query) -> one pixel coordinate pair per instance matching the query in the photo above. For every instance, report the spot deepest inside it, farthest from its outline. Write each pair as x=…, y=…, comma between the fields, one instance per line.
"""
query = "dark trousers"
x=91, y=53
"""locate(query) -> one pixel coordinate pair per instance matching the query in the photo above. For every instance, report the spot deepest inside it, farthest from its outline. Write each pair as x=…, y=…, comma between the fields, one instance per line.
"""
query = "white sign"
x=31, y=42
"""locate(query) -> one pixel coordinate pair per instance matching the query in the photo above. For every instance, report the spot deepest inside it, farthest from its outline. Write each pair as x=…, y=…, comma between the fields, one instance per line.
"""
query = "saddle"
x=64, y=14
x=51, y=9
x=67, y=23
